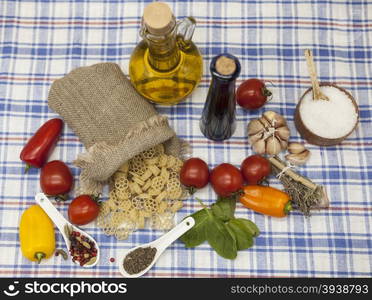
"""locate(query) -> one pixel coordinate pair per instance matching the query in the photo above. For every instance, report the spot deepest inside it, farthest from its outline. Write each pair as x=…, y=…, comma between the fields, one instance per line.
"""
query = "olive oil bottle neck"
x=165, y=37
x=164, y=54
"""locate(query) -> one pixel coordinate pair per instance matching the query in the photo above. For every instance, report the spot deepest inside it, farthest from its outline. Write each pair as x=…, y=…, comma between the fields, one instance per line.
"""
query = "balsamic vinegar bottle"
x=218, y=118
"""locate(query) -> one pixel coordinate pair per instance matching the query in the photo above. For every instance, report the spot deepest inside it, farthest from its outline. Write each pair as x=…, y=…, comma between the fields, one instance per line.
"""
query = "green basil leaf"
x=243, y=237
x=220, y=238
x=250, y=226
x=224, y=208
x=196, y=235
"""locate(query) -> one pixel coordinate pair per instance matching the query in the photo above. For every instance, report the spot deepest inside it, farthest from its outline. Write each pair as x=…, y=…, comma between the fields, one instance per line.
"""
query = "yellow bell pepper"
x=36, y=234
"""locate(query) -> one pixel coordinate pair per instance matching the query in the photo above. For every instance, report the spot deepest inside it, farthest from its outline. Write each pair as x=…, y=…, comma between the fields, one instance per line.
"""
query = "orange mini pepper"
x=266, y=200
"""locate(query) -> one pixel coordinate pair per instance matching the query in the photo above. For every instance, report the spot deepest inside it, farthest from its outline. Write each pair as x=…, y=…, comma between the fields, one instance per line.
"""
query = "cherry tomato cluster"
x=55, y=177
x=225, y=179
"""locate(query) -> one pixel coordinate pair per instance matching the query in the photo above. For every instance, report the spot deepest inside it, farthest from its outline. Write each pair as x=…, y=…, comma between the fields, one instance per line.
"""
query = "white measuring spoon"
x=61, y=222
x=160, y=244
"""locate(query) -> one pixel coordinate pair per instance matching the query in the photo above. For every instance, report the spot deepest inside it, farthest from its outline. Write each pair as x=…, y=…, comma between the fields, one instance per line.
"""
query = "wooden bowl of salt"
x=326, y=113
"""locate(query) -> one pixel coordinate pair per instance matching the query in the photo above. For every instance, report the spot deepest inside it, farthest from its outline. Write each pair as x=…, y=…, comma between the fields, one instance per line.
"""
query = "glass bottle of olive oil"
x=165, y=66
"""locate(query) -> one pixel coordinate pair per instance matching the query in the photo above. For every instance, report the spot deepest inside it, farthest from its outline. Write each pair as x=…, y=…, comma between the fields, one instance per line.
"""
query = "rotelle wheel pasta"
x=146, y=190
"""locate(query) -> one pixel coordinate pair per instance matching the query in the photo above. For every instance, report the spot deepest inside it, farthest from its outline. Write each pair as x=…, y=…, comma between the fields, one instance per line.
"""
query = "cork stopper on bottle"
x=225, y=65
x=158, y=18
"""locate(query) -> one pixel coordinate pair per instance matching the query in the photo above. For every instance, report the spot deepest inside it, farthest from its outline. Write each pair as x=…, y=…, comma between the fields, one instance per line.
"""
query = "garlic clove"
x=280, y=121
x=269, y=115
x=259, y=146
x=283, y=144
x=265, y=122
x=255, y=137
x=283, y=132
x=296, y=148
x=274, y=118
x=273, y=146
x=254, y=127
x=298, y=158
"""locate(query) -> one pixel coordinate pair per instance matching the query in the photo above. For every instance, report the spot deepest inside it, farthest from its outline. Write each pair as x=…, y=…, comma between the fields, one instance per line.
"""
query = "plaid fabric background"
x=41, y=41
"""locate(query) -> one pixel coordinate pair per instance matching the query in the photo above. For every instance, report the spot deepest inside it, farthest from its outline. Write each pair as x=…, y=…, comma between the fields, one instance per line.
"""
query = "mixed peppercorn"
x=82, y=249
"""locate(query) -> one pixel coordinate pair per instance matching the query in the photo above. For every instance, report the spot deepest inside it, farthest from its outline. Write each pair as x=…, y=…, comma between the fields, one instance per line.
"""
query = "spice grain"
x=139, y=259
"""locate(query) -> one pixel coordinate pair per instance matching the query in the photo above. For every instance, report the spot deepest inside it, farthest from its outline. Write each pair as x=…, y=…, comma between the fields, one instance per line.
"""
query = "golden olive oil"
x=165, y=66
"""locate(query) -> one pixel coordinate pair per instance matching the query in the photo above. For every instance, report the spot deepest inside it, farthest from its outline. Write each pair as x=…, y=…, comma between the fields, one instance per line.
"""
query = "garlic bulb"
x=268, y=134
x=299, y=155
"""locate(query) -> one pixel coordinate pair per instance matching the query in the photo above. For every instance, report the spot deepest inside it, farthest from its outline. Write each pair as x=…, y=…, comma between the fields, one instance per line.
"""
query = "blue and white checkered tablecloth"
x=41, y=41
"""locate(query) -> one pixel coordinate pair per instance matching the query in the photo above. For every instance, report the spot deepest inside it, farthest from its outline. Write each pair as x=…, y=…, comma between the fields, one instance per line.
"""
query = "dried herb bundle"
x=305, y=195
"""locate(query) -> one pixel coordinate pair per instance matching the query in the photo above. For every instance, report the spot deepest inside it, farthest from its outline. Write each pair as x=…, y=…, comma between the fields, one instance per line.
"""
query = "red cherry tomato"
x=255, y=168
x=252, y=94
x=83, y=210
x=226, y=180
x=194, y=174
x=56, y=179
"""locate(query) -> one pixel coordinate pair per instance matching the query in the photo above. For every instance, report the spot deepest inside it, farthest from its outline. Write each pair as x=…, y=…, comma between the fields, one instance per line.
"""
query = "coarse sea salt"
x=328, y=119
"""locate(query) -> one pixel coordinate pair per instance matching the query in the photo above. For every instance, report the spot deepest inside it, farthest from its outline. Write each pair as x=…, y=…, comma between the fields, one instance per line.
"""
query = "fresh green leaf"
x=225, y=234
x=220, y=238
x=232, y=234
x=243, y=236
x=196, y=235
x=224, y=208
x=249, y=225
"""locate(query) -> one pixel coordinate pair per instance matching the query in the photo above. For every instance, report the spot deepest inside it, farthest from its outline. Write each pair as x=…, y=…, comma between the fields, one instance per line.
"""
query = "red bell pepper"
x=37, y=150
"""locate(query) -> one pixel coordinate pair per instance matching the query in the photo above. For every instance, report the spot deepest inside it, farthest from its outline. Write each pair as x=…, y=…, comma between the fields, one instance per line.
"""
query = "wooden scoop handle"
x=317, y=94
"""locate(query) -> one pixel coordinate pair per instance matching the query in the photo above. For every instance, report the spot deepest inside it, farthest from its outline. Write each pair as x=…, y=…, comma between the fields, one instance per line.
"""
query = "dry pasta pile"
x=144, y=192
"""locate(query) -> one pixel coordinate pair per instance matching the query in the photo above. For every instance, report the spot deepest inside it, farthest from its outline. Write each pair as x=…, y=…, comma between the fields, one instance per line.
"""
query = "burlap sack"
x=112, y=120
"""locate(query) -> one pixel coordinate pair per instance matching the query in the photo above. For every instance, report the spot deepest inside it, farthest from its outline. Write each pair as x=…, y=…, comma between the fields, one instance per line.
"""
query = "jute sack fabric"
x=112, y=120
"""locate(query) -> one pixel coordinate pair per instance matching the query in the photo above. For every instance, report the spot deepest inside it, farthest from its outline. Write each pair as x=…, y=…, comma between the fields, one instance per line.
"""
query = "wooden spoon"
x=317, y=93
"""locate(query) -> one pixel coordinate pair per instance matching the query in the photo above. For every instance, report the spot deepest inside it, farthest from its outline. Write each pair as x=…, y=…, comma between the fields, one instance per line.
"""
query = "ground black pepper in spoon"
x=158, y=246
x=139, y=259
